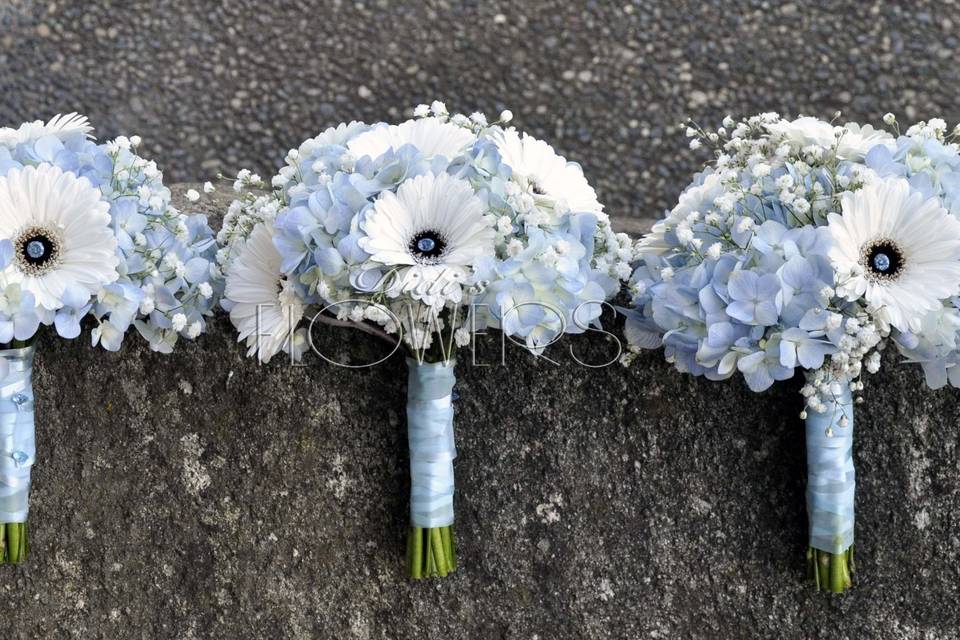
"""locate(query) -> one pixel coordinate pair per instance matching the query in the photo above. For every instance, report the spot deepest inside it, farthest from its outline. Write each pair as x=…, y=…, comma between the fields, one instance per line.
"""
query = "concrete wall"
x=198, y=495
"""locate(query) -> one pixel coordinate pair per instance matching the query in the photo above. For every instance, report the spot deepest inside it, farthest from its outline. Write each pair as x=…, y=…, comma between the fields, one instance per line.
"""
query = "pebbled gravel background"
x=199, y=496
x=216, y=86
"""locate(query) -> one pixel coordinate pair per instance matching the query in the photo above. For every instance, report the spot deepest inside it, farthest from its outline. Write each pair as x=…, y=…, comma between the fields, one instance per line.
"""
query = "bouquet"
x=421, y=233
x=86, y=230
x=813, y=246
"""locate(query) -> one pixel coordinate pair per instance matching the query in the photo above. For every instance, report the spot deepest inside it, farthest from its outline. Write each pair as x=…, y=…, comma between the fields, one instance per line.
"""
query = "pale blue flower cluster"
x=740, y=277
x=931, y=163
x=167, y=282
x=547, y=272
x=751, y=300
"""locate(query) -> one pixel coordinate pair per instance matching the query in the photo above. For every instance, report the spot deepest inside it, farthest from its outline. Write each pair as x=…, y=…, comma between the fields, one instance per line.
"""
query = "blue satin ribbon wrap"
x=17, y=441
x=430, y=434
x=831, y=479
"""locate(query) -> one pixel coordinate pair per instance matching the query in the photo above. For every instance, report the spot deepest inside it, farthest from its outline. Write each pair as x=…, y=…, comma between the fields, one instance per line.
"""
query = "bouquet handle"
x=831, y=485
x=17, y=451
x=430, y=545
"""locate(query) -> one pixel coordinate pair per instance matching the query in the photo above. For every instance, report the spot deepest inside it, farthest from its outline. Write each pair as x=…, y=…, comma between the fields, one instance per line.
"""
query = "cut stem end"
x=431, y=552
x=831, y=572
x=14, y=543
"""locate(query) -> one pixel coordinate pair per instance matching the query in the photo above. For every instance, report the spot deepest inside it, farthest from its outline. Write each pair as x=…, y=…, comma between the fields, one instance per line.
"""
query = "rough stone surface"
x=198, y=495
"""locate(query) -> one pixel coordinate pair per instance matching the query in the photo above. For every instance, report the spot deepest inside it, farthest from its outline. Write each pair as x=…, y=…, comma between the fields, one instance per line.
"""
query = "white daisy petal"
x=266, y=307
x=434, y=229
x=60, y=126
x=60, y=228
x=431, y=136
x=552, y=175
x=901, y=253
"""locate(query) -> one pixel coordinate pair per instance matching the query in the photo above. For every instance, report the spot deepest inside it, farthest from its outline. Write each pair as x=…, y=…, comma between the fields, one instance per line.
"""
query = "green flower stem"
x=430, y=568
x=447, y=534
x=439, y=552
x=14, y=545
x=832, y=572
x=431, y=552
x=416, y=552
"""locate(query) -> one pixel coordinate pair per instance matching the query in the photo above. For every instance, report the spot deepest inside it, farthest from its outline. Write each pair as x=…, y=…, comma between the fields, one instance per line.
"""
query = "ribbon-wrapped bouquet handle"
x=831, y=485
x=430, y=545
x=17, y=450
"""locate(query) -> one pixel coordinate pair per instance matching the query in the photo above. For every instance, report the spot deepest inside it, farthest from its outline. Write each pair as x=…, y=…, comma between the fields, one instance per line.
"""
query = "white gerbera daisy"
x=802, y=132
x=857, y=140
x=434, y=229
x=60, y=229
x=896, y=250
x=545, y=173
x=432, y=136
x=339, y=134
x=854, y=141
x=265, y=305
x=60, y=126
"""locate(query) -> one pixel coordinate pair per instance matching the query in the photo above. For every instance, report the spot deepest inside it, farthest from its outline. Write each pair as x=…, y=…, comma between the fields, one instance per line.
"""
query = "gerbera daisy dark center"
x=883, y=259
x=427, y=246
x=535, y=186
x=37, y=250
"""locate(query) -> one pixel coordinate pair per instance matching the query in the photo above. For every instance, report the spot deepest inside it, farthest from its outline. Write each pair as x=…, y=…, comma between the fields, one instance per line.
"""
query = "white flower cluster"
x=435, y=226
x=93, y=232
x=242, y=216
x=860, y=344
x=803, y=244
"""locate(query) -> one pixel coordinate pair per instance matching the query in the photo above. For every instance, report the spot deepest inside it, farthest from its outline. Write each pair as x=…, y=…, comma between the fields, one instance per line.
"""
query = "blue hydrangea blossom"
x=749, y=273
x=167, y=282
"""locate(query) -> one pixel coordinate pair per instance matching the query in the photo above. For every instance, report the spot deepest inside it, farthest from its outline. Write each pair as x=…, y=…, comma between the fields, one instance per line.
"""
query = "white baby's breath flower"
x=761, y=170
x=193, y=195
x=872, y=362
x=462, y=337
